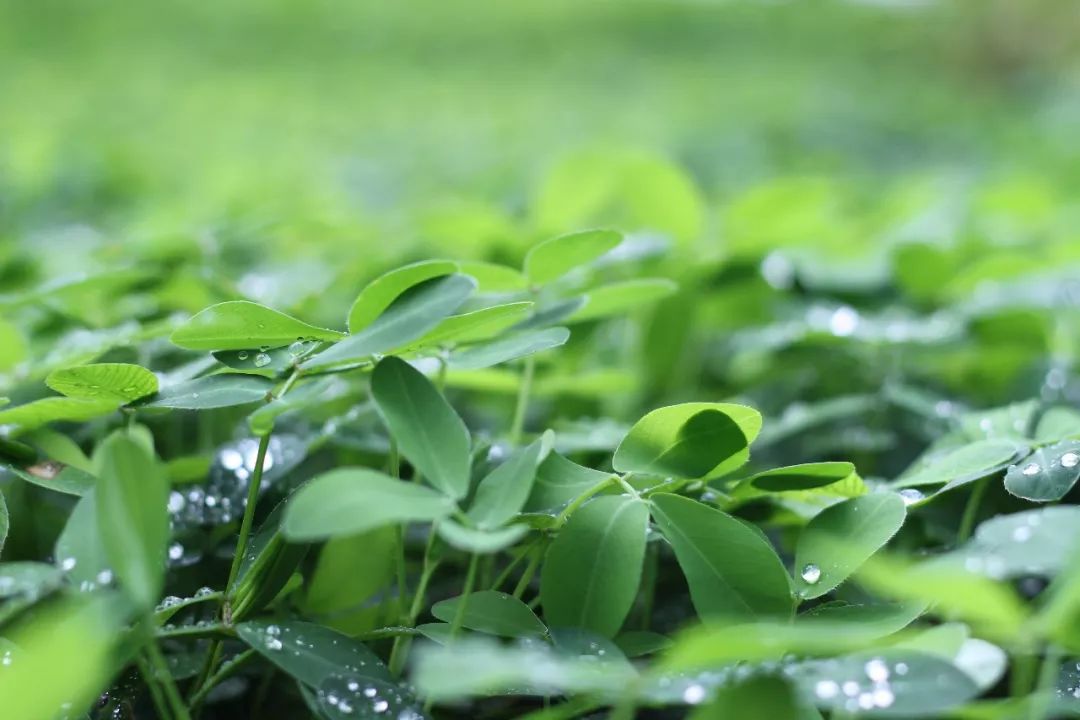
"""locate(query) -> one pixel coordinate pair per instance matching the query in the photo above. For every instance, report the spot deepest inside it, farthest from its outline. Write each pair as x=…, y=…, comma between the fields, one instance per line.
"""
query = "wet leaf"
x=494, y=613
x=116, y=382
x=242, y=325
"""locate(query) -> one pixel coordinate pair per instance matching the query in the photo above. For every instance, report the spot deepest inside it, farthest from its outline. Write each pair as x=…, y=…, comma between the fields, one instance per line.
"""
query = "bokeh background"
x=890, y=185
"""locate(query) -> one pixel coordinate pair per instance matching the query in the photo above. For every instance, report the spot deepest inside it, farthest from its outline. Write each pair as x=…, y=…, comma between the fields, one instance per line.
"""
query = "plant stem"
x=463, y=600
x=524, y=390
x=160, y=669
x=580, y=499
x=527, y=576
x=971, y=510
x=249, y=513
x=401, y=643
x=505, y=574
x=223, y=672
x=648, y=584
x=1047, y=681
x=155, y=689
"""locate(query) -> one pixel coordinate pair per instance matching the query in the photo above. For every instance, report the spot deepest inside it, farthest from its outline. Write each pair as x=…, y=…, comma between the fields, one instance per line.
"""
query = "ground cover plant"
x=657, y=359
x=389, y=527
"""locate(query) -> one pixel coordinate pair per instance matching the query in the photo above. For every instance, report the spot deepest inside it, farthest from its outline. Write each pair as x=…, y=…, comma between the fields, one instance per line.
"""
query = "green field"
x=650, y=359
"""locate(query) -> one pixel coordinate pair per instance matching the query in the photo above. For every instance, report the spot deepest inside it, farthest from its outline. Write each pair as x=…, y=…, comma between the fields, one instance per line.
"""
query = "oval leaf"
x=592, y=571
x=840, y=538
x=732, y=570
x=503, y=493
x=420, y=309
x=118, y=382
x=132, y=497
x=1047, y=474
x=428, y=431
x=508, y=348
x=53, y=409
x=553, y=258
x=802, y=477
x=348, y=501
x=213, y=391
x=381, y=292
x=494, y=613
x=691, y=440
x=242, y=324
x=311, y=653
x=482, y=542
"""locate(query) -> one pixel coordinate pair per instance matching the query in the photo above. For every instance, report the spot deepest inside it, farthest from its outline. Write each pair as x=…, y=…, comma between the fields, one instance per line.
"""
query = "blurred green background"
x=779, y=159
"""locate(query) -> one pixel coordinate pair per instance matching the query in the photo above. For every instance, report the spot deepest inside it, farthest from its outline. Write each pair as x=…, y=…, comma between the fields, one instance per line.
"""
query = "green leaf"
x=381, y=292
x=553, y=258
x=355, y=697
x=311, y=653
x=473, y=326
x=766, y=697
x=1047, y=474
x=419, y=310
x=691, y=440
x=132, y=495
x=954, y=592
x=840, y=538
x=1039, y=542
x=482, y=542
x=639, y=643
x=893, y=682
x=801, y=477
x=428, y=431
x=733, y=572
x=714, y=645
x=493, y=278
x=117, y=382
x=13, y=346
x=67, y=480
x=502, y=494
x=483, y=667
x=52, y=409
x=494, y=613
x=592, y=571
x=212, y=391
x=349, y=572
x=5, y=522
x=962, y=465
x=80, y=549
x=31, y=579
x=273, y=361
x=62, y=662
x=348, y=501
x=512, y=347
x=559, y=481
x=618, y=298
x=268, y=565
x=241, y=325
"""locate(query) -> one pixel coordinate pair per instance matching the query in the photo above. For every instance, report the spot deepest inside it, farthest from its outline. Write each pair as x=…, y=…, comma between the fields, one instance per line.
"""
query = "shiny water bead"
x=811, y=573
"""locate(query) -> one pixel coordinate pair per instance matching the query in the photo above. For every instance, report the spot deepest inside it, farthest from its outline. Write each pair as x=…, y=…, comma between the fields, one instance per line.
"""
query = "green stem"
x=580, y=499
x=401, y=643
x=510, y=567
x=196, y=631
x=249, y=513
x=463, y=600
x=527, y=576
x=387, y=632
x=161, y=670
x=648, y=584
x=225, y=671
x=971, y=510
x=1047, y=683
x=524, y=390
x=155, y=689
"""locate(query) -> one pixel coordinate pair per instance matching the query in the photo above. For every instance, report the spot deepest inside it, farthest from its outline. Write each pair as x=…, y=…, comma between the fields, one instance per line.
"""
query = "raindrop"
x=826, y=689
x=242, y=355
x=844, y=321
x=851, y=688
x=1021, y=534
x=68, y=564
x=877, y=670
x=811, y=573
x=910, y=496
x=261, y=360
x=693, y=694
x=1031, y=469
x=1070, y=460
x=883, y=697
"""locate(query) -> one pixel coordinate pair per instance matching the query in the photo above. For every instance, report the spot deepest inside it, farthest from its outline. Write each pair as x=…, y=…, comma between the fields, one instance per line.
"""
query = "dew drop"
x=877, y=670
x=1021, y=534
x=693, y=694
x=826, y=689
x=1070, y=460
x=811, y=573
x=910, y=496
x=242, y=355
x=1031, y=469
x=261, y=360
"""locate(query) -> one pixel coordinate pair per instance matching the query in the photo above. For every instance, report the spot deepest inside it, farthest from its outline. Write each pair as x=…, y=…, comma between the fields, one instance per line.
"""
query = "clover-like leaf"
x=691, y=440
x=242, y=325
